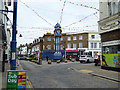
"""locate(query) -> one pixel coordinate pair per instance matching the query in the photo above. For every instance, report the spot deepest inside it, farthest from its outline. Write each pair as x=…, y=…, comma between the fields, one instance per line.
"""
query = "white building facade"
x=94, y=44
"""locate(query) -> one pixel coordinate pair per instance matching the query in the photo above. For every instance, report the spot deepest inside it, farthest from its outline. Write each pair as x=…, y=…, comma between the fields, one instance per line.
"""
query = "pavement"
x=97, y=71
x=3, y=76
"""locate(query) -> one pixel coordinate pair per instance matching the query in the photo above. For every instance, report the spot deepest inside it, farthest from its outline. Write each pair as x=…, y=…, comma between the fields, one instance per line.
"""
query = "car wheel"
x=81, y=62
x=88, y=61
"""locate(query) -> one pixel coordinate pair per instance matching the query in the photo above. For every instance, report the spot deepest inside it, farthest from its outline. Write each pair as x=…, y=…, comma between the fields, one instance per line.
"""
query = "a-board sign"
x=16, y=79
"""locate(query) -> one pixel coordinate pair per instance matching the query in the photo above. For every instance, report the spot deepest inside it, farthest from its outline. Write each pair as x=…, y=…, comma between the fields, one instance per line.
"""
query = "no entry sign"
x=16, y=79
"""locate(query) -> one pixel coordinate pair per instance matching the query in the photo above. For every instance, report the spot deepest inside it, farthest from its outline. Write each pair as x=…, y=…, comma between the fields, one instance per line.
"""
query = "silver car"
x=86, y=58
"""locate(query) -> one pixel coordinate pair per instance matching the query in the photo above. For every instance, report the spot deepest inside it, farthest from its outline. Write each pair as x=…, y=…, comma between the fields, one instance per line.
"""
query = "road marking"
x=29, y=83
x=107, y=79
x=86, y=71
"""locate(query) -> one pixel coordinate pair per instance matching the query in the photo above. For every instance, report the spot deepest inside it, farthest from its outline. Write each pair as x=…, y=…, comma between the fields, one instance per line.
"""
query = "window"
x=99, y=45
x=54, y=47
x=49, y=46
x=74, y=38
x=91, y=45
x=110, y=9
x=80, y=37
x=92, y=36
x=110, y=49
x=74, y=45
x=43, y=47
x=69, y=45
x=113, y=7
x=69, y=38
x=62, y=47
x=61, y=38
x=54, y=39
x=80, y=45
x=49, y=39
x=95, y=45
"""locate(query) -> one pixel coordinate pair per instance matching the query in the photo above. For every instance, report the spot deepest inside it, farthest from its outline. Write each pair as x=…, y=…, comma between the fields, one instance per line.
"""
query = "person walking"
x=47, y=58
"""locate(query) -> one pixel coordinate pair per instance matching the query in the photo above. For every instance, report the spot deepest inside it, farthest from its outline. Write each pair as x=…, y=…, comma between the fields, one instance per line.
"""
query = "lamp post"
x=13, y=42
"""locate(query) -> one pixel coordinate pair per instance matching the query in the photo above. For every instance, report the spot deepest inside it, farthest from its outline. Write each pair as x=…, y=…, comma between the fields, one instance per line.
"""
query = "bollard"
x=65, y=61
x=58, y=61
x=49, y=61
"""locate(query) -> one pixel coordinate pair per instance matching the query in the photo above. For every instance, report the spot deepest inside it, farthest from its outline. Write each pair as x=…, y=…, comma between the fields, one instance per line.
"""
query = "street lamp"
x=13, y=42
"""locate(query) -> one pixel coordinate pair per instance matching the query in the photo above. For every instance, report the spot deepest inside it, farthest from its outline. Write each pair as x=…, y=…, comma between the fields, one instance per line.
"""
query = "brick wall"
x=109, y=36
x=65, y=41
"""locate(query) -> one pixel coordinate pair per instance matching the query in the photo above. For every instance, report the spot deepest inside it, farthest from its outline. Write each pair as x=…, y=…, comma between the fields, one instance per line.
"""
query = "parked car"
x=23, y=58
x=86, y=58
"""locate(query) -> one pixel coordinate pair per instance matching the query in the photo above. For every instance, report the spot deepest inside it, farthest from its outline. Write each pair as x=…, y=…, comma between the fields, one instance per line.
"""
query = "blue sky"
x=50, y=10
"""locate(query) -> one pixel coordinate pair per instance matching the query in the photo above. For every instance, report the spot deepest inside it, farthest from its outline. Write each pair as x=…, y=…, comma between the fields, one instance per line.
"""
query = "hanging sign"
x=16, y=79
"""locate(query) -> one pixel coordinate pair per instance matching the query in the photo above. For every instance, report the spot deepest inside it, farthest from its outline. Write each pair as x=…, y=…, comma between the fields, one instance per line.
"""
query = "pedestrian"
x=70, y=57
x=47, y=58
x=97, y=61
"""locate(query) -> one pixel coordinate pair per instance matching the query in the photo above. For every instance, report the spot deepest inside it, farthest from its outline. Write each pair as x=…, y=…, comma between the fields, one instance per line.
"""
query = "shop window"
x=110, y=49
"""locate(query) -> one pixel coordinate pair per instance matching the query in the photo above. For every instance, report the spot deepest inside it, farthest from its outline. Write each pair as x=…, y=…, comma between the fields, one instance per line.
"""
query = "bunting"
x=86, y=6
x=81, y=19
x=52, y=29
x=37, y=14
x=62, y=12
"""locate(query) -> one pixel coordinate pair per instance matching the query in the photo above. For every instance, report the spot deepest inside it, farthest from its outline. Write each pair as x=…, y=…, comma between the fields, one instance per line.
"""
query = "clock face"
x=58, y=32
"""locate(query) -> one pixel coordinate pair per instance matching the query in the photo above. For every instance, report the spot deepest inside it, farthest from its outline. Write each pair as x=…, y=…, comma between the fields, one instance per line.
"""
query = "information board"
x=16, y=79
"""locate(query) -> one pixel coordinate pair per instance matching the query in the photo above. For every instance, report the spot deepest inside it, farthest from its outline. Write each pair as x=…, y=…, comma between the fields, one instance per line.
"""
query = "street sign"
x=16, y=79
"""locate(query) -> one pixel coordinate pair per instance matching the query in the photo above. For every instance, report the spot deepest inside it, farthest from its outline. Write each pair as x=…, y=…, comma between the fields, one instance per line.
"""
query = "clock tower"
x=57, y=34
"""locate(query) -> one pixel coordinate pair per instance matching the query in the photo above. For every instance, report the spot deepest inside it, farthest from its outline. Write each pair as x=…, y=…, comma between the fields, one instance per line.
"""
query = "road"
x=61, y=76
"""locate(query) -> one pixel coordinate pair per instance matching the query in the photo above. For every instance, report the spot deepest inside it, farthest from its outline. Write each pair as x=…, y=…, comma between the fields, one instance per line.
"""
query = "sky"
x=38, y=17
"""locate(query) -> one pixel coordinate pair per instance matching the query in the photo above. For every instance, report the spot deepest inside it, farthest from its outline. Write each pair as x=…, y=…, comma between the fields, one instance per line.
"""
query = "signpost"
x=16, y=79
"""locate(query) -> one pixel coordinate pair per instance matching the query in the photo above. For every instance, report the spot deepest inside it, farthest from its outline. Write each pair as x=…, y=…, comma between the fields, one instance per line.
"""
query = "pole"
x=13, y=42
x=3, y=62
